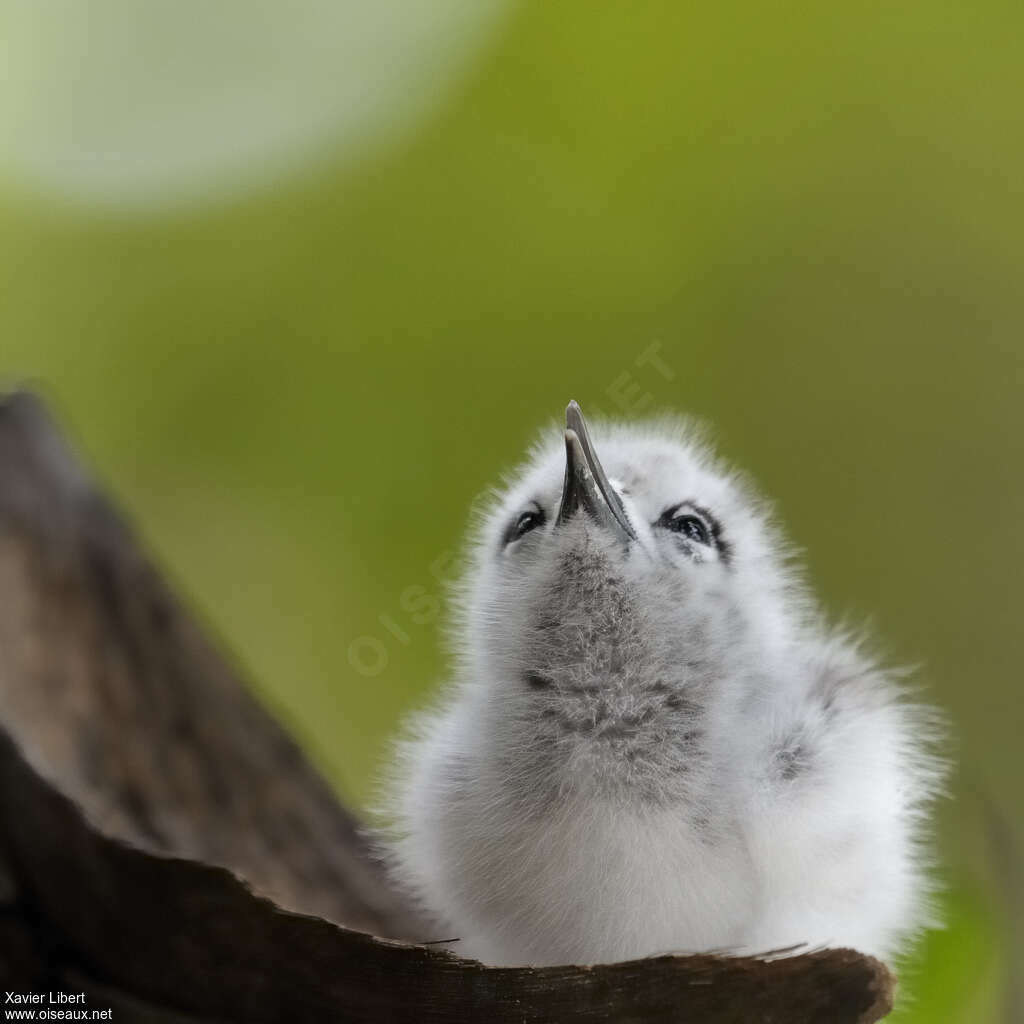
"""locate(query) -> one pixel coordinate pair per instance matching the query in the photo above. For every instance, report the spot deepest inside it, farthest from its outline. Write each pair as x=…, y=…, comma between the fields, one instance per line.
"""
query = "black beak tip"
x=573, y=416
x=586, y=485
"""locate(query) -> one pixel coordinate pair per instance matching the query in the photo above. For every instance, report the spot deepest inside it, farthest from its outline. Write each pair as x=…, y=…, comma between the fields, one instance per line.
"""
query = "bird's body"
x=652, y=744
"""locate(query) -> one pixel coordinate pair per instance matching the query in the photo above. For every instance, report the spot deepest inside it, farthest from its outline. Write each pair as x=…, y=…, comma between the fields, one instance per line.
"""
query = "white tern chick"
x=652, y=743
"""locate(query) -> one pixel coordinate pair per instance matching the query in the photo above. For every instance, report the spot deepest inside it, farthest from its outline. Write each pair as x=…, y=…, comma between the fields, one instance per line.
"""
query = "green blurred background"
x=304, y=279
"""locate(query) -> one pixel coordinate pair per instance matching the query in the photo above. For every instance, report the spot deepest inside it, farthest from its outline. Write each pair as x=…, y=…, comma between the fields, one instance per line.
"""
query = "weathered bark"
x=165, y=848
x=115, y=694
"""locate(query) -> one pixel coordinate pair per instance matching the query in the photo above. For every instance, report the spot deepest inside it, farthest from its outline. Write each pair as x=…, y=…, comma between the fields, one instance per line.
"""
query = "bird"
x=652, y=740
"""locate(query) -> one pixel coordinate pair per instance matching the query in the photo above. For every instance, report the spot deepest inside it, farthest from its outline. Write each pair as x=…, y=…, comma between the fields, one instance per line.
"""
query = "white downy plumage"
x=652, y=742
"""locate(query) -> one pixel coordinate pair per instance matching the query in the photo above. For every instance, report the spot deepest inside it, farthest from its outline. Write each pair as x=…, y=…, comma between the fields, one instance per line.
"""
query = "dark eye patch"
x=527, y=520
x=697, y=525
x=692, y=527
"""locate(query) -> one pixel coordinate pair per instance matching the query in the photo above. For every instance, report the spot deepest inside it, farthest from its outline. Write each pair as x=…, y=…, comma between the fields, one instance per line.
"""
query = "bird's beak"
x=586, y=485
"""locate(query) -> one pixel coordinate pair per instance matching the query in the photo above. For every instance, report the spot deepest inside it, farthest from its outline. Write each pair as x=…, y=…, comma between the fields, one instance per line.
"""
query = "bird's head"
x=627, y=602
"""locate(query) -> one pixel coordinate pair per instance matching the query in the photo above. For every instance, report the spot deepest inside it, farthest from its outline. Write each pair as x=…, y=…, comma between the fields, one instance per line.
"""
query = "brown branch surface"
x=140, y=784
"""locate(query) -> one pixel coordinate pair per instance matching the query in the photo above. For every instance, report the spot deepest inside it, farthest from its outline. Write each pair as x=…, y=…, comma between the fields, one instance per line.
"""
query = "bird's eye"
x=523, y=524
x=691, y=526
x=694, y=526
